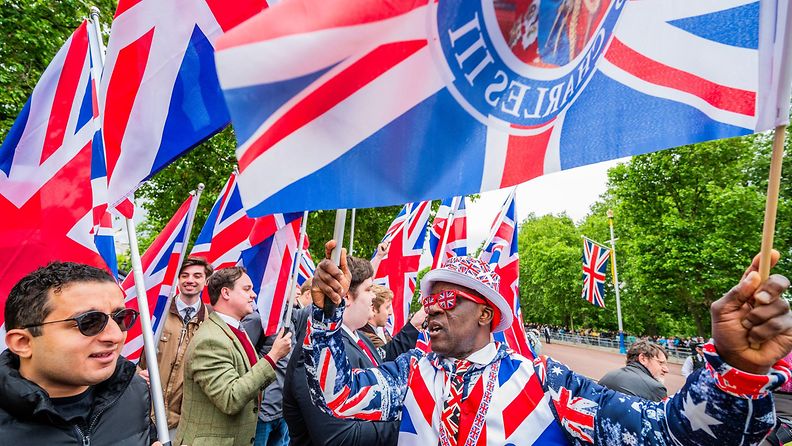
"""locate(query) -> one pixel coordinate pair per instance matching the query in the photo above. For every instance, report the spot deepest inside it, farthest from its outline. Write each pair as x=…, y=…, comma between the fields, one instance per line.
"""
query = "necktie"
x=246, y=345
x=366, y=350
x=452, y=409
x=188, y=314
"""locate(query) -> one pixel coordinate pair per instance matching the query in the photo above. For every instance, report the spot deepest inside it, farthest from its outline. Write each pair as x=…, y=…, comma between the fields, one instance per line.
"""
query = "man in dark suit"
x=307, y=423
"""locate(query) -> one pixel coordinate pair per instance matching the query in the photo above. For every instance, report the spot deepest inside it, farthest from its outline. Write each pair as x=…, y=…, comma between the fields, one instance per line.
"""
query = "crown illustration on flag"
x=477, y=275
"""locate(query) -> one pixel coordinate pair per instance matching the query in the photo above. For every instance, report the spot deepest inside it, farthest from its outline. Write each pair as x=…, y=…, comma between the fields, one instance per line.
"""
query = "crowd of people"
x=337, y=377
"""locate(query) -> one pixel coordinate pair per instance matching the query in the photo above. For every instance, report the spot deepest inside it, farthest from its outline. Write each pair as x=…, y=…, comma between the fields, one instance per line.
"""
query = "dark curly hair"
x=223, y=278
x=29, y=300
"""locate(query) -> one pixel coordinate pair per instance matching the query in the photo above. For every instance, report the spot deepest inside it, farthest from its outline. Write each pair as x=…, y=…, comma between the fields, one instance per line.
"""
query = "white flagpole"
x=622, y=348
x=187, y=233
x=455, y=202
x=338, y=236
x=137, y=272
x=352, y=234
x=293, y=279
x=496, y=224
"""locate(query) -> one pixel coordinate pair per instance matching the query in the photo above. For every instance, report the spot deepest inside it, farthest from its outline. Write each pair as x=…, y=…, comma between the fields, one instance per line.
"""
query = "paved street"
x=596, y=363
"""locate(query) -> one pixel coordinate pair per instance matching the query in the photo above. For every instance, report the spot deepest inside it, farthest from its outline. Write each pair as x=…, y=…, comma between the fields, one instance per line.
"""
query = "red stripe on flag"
x=525, y=158
x=720, y=96
x=121, y=93
x=125, y=5
x=230, y=14
x=469, y=408
x=280, y=293
x=423, y=397
x=230, y=237
x=522, y=406
x=65, y=92
x=288, y=18
x=335, y=90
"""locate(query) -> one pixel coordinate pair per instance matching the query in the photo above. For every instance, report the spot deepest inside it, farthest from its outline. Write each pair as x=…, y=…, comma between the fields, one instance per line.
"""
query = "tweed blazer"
x=221, y=389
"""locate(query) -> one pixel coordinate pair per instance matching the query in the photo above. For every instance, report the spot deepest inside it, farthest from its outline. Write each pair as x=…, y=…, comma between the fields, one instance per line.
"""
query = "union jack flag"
x=576, y=413
x=306, y=268
x=501, y=254
x=269, y=262
x=484, y=114
x=161, y=264
x=159, y=90
x=399, y=269
x=456, y=243
x=46, y=198
x=595, y=265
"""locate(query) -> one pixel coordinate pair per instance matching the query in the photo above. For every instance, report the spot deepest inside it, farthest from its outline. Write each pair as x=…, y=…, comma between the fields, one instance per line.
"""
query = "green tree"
x=31, y=33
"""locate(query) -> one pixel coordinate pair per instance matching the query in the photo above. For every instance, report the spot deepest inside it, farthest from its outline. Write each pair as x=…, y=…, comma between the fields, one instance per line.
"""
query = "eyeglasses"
x=91, y=323
x=447, y=299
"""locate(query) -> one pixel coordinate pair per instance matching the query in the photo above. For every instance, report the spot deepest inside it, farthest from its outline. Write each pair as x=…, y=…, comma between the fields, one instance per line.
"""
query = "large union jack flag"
x=595, y=265
x=502, y=255
x=456, y=241
x=46, y=197
x=159, y=90
x=399, y=269
x=161, y=263
x=452, y=98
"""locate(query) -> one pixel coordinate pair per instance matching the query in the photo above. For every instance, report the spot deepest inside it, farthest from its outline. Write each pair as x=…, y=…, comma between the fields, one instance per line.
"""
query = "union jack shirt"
x=509, y=399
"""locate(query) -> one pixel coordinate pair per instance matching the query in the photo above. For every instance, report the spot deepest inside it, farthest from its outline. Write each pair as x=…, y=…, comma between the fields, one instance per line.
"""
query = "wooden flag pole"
x=771, y=206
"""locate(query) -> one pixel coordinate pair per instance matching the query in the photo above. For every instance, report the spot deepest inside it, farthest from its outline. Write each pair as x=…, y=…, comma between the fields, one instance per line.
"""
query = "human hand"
x=330, y=280
x=753, y=313
x=418, y=319
x=145, y=375
x=281, y=346
x=382, y=250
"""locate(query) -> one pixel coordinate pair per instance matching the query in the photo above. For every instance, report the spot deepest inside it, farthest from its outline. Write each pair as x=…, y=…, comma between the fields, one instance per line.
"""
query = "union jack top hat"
x=477, y=275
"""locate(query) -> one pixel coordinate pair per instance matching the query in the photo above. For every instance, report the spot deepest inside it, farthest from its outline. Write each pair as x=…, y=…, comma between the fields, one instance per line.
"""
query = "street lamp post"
x=622, y=348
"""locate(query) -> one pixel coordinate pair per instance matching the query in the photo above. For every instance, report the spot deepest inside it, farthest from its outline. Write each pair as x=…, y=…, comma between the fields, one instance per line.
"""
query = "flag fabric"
x=161, y=263
x=398, y=270
x=595, y=265
x=442, y=99
x=46, y=200
x=269, y=264
x=502, y=255
x=159, y=90
x=456, y=243
x=306, y=268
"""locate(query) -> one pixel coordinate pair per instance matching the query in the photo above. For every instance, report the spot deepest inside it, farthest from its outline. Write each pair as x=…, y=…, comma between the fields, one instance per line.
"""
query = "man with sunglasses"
x=186, y=314
x=471, y=390
x=62, y=380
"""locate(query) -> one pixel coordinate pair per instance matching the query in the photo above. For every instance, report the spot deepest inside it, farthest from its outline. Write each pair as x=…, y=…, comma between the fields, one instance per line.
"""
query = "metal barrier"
x=678, y=353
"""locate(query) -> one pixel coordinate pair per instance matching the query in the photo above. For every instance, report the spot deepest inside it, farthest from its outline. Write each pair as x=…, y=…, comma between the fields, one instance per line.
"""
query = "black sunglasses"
x=91, y=323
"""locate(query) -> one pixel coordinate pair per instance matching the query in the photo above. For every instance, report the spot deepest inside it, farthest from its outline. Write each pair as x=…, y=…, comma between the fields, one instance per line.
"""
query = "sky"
x=572, y=191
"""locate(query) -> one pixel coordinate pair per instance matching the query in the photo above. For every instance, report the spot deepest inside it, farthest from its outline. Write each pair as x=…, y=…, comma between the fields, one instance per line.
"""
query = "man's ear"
x=20, y=341
x=487, y=315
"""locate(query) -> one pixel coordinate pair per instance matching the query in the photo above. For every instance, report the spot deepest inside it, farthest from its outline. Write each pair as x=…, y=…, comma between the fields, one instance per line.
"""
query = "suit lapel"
x=227, y=331
x=357, y=348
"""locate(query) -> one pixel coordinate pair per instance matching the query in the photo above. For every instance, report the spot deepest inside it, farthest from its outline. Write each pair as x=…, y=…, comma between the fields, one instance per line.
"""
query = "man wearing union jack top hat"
x=473, y=391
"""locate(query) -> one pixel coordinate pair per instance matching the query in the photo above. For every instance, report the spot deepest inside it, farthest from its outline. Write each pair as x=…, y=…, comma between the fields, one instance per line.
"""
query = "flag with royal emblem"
x=398, y=270
x=46, y=198
x=424, y=100
x=161, y=263
x=595, y=265
x=159, y=89
x=501, y=254
x=455, y=226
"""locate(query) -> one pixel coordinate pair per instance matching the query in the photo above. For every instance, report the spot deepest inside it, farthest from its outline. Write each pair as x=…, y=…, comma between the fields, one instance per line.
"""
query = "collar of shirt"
x=350, y=332
x=480, y=357
x=228, y=320
x=181, y=306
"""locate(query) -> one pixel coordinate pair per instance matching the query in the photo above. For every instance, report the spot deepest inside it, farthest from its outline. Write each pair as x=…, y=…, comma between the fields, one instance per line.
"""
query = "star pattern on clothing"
x=557, y=370
x=697, y=416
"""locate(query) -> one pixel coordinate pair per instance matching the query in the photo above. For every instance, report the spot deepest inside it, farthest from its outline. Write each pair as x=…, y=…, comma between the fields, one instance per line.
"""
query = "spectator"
x=695, y=361
x=223, y=377
x=466, y=386
x=62, y=380
x=382, y=304
x=644, y=374
x=304, y=299
x=186, y=314
x=308, y=425
x=546, y=331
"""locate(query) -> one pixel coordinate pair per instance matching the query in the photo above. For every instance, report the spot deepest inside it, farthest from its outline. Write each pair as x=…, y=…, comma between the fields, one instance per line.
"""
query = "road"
x=596, y=363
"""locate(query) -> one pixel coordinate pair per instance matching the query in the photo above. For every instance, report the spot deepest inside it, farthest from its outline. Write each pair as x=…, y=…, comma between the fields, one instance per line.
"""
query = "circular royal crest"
x=517, y=64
